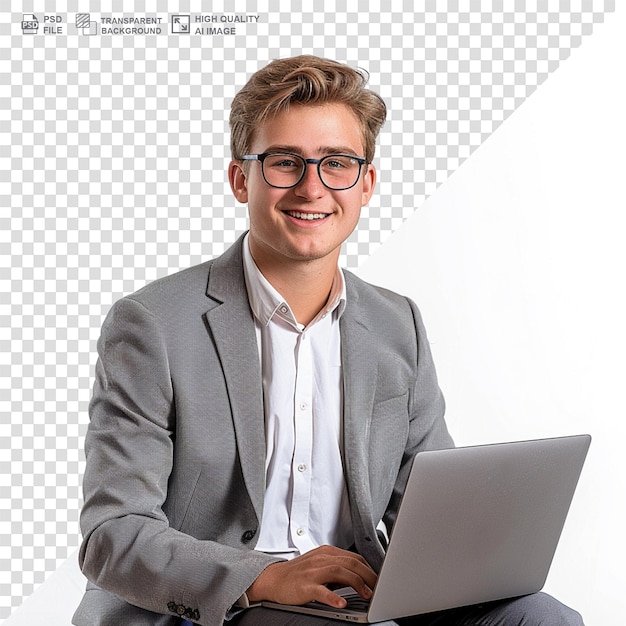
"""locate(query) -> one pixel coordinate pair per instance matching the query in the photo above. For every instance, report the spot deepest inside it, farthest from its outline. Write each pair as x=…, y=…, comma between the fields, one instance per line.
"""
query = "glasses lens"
x=283, y=170
x=339, y=171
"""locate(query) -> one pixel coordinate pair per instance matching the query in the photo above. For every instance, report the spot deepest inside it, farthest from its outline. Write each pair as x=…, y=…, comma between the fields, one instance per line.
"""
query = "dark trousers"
x=538, y=609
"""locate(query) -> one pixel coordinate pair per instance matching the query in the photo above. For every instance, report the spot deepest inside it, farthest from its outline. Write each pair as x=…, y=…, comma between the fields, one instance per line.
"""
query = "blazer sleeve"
x=427, y=426
x=129, y=548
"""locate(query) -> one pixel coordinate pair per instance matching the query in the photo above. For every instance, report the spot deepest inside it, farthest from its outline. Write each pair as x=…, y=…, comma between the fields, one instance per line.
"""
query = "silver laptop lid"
x=477, y=524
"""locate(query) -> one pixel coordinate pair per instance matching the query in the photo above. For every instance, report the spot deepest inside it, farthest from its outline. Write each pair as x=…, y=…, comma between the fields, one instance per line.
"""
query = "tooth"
x=307, y=216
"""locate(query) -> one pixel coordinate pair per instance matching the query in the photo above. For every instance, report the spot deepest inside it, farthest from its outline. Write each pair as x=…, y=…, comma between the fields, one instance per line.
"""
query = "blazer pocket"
x=218, y=510
x=395, y=409
x=180, y=500
x=389, y=427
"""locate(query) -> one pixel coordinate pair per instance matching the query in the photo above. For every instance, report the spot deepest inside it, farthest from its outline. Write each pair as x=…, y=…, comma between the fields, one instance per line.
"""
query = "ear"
x=369, y=182
x=237, y=180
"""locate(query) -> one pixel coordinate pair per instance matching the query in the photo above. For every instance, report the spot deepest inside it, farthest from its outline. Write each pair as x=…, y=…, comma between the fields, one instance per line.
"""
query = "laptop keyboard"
x=356, y=602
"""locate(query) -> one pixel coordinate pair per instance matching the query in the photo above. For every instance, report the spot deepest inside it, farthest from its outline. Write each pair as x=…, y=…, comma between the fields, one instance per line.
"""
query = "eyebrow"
x=320, y=150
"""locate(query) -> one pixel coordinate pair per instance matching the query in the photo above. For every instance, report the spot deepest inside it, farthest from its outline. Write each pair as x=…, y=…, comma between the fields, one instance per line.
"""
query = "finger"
x=362, y=570
x=326, y=596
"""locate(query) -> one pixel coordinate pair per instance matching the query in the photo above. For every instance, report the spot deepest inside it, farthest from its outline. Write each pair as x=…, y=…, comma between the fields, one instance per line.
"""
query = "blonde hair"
x=304, y=80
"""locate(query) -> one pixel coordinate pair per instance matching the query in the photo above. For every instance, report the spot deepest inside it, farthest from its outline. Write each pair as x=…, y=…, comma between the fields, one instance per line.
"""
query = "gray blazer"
x=174, y=481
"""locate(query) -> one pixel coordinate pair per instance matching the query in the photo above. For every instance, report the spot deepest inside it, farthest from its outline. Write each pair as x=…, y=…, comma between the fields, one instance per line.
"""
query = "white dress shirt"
x=306, y=501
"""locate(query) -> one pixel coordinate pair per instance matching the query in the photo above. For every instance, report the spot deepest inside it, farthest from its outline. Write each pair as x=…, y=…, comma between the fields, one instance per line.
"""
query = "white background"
x=517, y=263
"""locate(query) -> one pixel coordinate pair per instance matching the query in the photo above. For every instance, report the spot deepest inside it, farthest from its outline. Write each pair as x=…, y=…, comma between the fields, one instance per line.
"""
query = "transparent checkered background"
x=113, y=154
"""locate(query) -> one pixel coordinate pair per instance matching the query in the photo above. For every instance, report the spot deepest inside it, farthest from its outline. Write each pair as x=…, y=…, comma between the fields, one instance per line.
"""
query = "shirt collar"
x=266, y=302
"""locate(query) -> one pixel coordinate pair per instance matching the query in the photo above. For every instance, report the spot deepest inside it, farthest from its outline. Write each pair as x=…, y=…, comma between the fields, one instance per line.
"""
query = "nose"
x=310, y=186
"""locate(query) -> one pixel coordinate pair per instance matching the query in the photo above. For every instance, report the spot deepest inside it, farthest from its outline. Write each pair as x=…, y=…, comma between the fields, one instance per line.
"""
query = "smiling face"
x=309, y=221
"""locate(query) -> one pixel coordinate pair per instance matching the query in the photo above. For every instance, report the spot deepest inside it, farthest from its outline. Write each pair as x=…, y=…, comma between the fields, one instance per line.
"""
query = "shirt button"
x=300, y=532
x=284, y=309
x=303, y=406
x=302, y=467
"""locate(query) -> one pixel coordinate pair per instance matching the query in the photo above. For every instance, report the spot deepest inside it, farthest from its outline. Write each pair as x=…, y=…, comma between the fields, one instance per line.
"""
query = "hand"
x=306, y=578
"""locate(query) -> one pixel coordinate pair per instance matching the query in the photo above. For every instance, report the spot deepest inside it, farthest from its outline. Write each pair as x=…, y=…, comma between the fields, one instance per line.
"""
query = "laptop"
x=475, y=524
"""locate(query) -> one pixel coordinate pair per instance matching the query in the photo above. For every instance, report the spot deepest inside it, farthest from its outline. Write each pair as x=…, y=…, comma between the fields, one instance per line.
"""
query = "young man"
x=254, y=418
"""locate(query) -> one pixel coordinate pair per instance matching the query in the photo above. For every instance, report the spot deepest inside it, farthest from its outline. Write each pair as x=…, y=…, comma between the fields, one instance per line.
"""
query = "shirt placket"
x=303, y=446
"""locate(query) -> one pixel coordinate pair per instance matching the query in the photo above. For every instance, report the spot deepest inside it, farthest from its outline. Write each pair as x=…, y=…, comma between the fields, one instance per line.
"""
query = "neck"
x=305, y=285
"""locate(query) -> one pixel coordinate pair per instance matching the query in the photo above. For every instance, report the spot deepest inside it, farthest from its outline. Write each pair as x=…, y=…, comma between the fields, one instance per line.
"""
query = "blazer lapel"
x=359, y=366
x=232, y=328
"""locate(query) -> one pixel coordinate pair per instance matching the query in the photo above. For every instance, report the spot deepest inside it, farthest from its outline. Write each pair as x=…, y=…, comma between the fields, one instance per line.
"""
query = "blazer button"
x=248, y=536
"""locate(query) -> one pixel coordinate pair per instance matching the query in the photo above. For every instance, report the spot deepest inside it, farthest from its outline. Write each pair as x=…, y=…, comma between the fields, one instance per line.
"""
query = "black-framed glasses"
x=284, y=170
